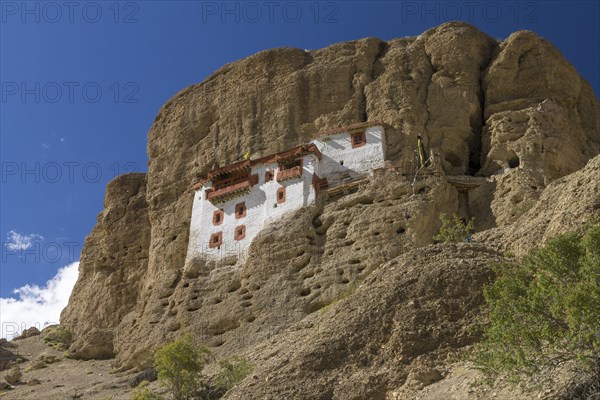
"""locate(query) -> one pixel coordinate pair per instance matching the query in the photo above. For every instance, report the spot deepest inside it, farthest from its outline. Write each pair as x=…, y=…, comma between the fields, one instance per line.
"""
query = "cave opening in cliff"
x=474, y=165
x=474, y=155
x=514, y=161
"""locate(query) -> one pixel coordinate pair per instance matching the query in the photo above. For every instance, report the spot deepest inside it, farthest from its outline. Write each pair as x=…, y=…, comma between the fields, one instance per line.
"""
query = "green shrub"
x=179, y=365
x=545, y=309
x=142, y=392
x=454, y=230
x=58, y=337
x=232, y=372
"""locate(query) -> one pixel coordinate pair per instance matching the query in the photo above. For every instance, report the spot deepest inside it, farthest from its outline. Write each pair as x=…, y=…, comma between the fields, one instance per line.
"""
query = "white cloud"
x=37, y=306
x=16, y=241
x=45, y=146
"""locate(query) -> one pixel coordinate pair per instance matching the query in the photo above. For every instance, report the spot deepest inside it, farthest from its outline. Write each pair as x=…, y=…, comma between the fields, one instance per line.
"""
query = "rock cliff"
x=514, y=115
x=113, y=267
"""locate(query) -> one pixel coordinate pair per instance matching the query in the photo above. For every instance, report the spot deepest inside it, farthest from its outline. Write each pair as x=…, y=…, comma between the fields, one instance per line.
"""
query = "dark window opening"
x=291, y=164
x=240, y=210
x=240, y=232
x=358, y=139
x=216, y=239
x=280, y=195
x=218, y=217
x=269, y=175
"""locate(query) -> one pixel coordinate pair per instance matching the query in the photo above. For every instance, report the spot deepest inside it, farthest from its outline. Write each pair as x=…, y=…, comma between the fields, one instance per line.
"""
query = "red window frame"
x=240, y=210
x=281, y=195
x=216, y=240
x=269, y=175
x=240, y=232
x=362, y=137
x=218, y=216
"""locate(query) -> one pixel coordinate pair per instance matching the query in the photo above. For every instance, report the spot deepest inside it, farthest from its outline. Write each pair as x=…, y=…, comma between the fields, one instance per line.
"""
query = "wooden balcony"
x=287, y=174
x=230, y=192
x=230, y=169
x=219, y=184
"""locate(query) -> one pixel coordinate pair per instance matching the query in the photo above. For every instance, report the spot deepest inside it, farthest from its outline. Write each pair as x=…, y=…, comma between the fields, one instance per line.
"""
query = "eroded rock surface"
x=112, y=269
x=565, y=205
x=370, y=340
x=516, y=113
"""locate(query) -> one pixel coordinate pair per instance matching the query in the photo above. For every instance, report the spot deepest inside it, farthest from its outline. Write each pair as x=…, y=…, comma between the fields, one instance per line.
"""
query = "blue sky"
x=81, y=83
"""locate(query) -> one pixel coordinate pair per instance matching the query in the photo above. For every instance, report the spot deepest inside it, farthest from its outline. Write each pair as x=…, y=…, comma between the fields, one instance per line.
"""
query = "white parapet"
x=351, y=155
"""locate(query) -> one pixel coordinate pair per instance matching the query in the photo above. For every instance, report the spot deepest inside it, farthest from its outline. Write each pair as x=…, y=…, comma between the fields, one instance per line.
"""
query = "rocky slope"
x=396, y=333
x=399, y=323
x=516, y=114
x=565, y=205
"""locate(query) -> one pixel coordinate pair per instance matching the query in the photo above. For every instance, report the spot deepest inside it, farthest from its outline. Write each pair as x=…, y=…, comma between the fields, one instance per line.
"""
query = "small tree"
x=454, y=230
x=179, y=365
x=544, y=310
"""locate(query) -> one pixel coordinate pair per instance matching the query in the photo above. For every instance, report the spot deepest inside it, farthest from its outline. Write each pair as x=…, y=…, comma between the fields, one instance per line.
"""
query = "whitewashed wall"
x=261, y=203
x=260, y=210
x=357, y=162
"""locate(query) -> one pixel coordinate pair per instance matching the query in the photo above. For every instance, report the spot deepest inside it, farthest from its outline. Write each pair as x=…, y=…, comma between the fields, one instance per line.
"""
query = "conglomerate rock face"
x=369, y=341
x=542, y=122
x=296, y=267
x=565, y=205
x=515, y=112
x=112, y=269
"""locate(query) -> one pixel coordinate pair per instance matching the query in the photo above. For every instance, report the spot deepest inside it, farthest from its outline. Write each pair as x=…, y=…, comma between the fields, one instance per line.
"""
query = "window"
x=359, y=139
x=230, y=179
x=291, y=164
x=216, y=239
x=240, y=232
x=240, y=210
x=281, y=195
x=290, y=170
x=218, y=216
x=269, y=175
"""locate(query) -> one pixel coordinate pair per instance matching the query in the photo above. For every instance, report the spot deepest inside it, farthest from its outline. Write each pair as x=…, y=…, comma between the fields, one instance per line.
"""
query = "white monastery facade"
x=232, y=204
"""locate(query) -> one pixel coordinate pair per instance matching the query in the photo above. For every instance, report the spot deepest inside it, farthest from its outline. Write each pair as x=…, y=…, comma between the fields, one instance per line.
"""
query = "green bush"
x=232, y=372
x=58, y=337
x=545, y=309
x=454, y=230
x=179, y=365
x=142, y=392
